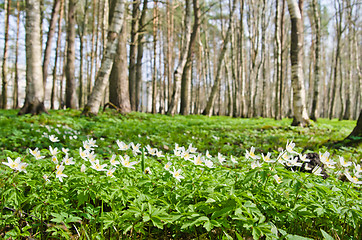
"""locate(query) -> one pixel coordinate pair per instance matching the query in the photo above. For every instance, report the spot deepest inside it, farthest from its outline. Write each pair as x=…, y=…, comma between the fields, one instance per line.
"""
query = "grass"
x=228, y=201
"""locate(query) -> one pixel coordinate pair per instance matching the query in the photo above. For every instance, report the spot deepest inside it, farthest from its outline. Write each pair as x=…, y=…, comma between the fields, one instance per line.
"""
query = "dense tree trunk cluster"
x=240, y=58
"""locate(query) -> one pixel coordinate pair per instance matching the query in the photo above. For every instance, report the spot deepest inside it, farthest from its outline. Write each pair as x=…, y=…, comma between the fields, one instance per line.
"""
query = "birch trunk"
x=141, y=30
x=4, y=93
x=71, y=100
x=118, y=81
x=317, y=24
x=16, y=83
x=34, y=76
x=296, y=56
x=96, y=96
x=186, y=74
x=132, y=54
x=57, y=56
x=183, y=57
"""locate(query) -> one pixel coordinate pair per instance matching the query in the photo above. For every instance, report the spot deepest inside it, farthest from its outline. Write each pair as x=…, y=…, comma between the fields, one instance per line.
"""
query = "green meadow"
x=144, y=176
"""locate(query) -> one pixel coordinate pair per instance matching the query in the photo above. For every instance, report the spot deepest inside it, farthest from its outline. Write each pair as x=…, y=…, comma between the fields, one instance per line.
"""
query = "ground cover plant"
x=143, y=176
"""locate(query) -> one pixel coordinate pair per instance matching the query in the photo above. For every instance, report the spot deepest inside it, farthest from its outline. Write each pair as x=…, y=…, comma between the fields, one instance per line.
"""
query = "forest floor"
x=213, y=190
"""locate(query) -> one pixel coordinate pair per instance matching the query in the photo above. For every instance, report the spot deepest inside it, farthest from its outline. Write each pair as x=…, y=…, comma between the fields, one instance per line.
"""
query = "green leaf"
x=326, y=235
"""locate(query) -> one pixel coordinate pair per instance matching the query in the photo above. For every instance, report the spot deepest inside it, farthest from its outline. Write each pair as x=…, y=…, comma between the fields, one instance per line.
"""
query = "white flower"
x=59, y=173
x=122, y=146
x=67, y=160
x=289, y=147
x=192, y=149
x=151, y=150
x=208, y=154
x=208, y=163
x=221, y=158
x=148, y=170
x=53, y=151
x=126, y=163
x=53, y=138
x=22, y=167
x=82, y=168
x=307, y=168
x=92, y=156
x=233, y=159
x=353, y=179
x=87, y=146
x=110, y=172
x=255, y=164
x=136, y=149
x=277, y=179
x=317, y=171
x=178, y=148
x=267, y=158
x=357, y=168
x=251, y=154
x=167, y=166
x=198, y=160
x=36, y=153
x=13, y=164
x=176, y=174
x=343, y=162
x=97, y=166
x=65, y=150
x=187, y=156
x=159, y=154
x=83, y=154
x=55, y=159
x=177, y=153
x=113, y=161
x=92, y=142
x=304, y=158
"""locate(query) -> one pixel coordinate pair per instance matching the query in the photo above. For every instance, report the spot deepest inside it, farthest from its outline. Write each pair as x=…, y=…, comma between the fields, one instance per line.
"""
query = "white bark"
x=96, y=96
x=34, y=72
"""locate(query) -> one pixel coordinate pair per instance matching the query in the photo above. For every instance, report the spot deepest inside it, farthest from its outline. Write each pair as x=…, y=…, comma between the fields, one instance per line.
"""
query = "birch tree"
x=96, y=96
x=34, y=76
x=301, y=117
x=4, y=92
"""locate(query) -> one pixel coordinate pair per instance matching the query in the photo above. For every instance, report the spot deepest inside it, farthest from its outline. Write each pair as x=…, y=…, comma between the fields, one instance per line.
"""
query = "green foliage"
x=229, y=201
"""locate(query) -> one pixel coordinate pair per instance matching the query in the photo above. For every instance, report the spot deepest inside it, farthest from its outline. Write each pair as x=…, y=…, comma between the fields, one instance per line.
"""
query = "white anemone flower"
x=304, y=158
x=233, y=160
x=82, y=168
x=192, y=149
x=83, y=154
x=67, y=160
x=209, y=163
x=208, y=154
x=167, y=166
x=59, y=173
x=53, y=151
x=198, y=160
x=289, y=147
x=36, y=153
x=53, y=138
x=256, y=164
x=251, y=154
x=97, y=166
x=113, y=161
x=55, y=159
x=343, y=162
x=110, y=172
x=126, y=163
x=220, y=158
x=277, y=178
x=317, y=170
x=177, y=174
x=267, y=158
x=353, y=179
x=122, y=146
x=13, y=164
x=159, y=154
